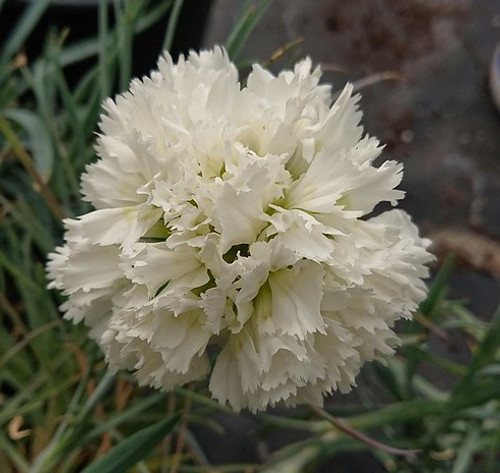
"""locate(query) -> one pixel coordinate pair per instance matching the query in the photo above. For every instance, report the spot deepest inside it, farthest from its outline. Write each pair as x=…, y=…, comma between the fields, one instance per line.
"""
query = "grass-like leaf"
x=172, y=24
x=23, y=28
x=39, y=141
x=486, y=353
x=134, y=448
x=249, y=18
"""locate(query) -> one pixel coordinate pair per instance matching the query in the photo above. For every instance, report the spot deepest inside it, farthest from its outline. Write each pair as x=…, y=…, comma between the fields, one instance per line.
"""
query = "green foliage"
x=133, y=449
x=62, y=412
x=249, y=18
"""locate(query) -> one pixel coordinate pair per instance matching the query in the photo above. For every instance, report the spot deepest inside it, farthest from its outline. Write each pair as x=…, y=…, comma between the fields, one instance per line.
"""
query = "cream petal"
x=87, y=267
x=236, y=375
x=296, y=298
x=119, y=226
x=155, y=266
x=301, y=233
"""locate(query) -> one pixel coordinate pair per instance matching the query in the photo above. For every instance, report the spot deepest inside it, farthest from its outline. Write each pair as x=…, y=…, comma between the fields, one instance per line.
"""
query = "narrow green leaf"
x=71, y=109
x=466, y=451
x=172, y=24
x=150, y=17
x=438, y=288
x=492, y=462
x=294, y=460
x=17, y=274
x=23, y=28
x=18, y=347
x=14, y=455
x=397, y=413
x=36, y=393
x=104, y=56
x=491, y=370
x=248, y=20
x=125, y=35
x=203, y=400
x=484, y=355
x=122, y=417
x=478, y=392
x=31, y=217
x=392, y=376
x=297, y=457
x=101, y=390
x=79, y=51
x=134, y=448
x=463, y=319
x=38, y=139
x=90, y=47
x=448, y=365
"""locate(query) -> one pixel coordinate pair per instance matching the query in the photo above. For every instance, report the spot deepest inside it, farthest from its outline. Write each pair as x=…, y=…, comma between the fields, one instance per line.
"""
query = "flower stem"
x=345, y=428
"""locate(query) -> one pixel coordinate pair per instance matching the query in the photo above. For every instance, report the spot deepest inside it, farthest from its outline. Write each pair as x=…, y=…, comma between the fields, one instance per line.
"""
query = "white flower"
x=238, y=218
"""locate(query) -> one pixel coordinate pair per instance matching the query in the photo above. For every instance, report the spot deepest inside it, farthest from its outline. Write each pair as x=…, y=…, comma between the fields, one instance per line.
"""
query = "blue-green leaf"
x=38, y=142
x=134, y=448
x=249, y=18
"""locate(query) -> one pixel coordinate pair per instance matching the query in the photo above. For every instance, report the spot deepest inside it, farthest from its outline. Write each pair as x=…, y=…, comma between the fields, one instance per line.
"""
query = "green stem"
x=172, y=24
x=341, y=425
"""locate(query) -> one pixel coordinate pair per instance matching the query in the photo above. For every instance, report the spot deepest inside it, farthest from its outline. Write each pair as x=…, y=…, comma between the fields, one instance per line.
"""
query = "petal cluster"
x=232, y=235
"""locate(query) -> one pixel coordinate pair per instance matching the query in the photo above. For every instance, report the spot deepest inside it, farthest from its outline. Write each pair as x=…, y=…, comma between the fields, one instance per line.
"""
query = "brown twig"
x=431, y=326
x=371, y=80
x=377, y=77
x=281, y=52
x=345, y=428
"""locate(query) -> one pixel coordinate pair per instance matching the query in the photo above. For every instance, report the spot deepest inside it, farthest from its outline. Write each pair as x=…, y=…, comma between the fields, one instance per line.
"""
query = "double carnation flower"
x=232, y=236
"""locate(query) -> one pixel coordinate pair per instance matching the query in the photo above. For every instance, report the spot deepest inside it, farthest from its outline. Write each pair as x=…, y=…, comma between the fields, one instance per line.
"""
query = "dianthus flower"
x=233, y=236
